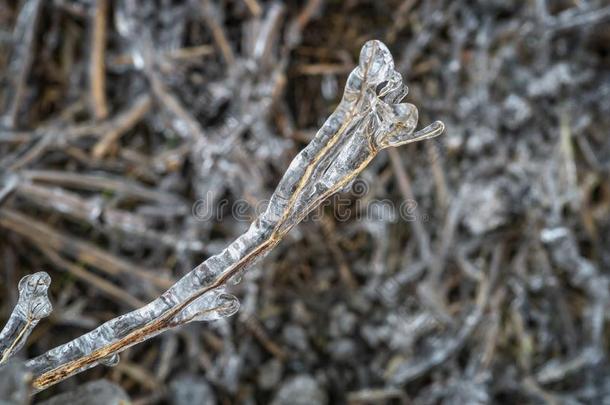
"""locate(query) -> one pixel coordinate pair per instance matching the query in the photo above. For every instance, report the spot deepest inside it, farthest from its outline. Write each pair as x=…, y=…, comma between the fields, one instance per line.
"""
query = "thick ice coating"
x=368, y=119
x=32, y=306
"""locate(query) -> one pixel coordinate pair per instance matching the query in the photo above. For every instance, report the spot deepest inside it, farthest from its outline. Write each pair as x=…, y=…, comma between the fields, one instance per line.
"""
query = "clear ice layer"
x=369, y=118
x=33, y=305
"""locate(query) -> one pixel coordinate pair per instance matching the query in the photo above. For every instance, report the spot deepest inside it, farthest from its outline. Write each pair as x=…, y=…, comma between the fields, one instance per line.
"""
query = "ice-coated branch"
x=369, y=118
x=32, y=306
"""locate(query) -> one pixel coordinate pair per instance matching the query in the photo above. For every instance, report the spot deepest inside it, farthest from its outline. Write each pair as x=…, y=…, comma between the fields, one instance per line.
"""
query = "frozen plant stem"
x=369, y=118
x=32, y=306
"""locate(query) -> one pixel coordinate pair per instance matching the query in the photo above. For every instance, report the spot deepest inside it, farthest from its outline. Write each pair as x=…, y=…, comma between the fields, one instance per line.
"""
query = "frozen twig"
x=22, y=57
x=106, y=287
x=210, y=14
x=32, y=306
x=570, y=19
x=446, y=348
x=557, y=369
x=98, y=214
x=116, y=184
x=46, y=237
x=123, y=122
x=404, y=183
x=58, y=132
x=368, y=119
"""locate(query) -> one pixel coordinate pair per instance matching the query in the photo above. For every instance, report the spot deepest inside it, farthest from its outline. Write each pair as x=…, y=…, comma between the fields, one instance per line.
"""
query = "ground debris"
x=138, y=138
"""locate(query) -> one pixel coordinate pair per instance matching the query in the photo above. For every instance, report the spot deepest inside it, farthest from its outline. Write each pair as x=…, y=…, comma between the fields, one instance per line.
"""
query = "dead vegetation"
x=117, y=119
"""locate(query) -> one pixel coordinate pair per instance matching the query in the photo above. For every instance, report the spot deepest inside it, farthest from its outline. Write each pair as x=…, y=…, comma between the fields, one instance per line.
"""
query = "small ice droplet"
x=209, y=307
x=236, y=279
x=228, y=305
x=111, y=361
x=138, y=59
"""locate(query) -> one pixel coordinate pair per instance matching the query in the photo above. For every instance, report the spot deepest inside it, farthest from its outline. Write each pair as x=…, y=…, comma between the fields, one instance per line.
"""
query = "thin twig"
x=404, y=183
x=46, y=236
x=97, y=77
x=218, y=32
x=104, y=286
x=100, y=182
x=22, y=57
x=328, y=228
x=97, y=214
x=123, y=123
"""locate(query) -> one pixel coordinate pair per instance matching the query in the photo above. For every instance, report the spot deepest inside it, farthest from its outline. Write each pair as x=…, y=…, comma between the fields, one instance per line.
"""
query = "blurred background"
x=138, y=138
